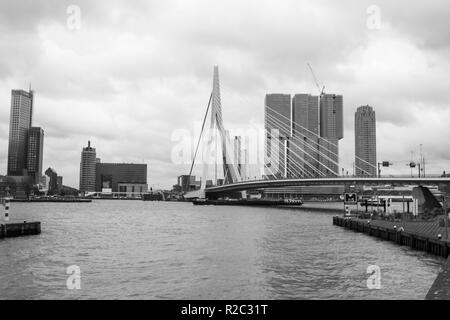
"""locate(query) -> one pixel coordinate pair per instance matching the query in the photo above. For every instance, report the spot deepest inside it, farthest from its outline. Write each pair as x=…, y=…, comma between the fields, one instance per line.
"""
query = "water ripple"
x=146, y=250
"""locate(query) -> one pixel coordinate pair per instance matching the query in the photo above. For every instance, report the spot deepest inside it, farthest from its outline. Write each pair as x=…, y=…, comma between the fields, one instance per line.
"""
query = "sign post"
x=349, y=198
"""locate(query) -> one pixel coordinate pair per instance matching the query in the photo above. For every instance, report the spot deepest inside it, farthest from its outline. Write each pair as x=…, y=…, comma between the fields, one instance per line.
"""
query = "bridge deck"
x=258, y=184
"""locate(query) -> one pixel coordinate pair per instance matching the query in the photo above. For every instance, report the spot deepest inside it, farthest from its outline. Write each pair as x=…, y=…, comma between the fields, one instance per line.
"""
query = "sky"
x=127, y=74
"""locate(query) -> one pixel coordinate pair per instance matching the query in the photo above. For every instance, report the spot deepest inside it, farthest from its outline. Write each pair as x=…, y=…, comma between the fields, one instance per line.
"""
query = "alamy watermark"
x=74, y=280
x=74, y=17
x=374, y=280
x=374, y=19
x=254, y=146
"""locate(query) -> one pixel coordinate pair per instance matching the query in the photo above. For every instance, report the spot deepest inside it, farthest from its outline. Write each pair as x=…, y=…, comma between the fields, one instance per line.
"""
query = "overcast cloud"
x=138, y=70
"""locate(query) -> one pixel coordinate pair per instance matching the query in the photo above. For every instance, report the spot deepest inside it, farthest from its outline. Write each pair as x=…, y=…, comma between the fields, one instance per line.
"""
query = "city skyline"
x=401, y=68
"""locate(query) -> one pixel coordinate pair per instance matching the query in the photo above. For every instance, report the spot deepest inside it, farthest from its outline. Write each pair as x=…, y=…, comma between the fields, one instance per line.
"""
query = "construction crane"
x=321, y=92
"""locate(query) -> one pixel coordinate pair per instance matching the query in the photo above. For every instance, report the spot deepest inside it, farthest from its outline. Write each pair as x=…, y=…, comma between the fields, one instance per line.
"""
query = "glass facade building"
x=309, y=132
x=277, y=123
x=331, y=130
x=119, y=177
x=365, y=142
x=20, y=122
x=35, y=152
x=303, y=155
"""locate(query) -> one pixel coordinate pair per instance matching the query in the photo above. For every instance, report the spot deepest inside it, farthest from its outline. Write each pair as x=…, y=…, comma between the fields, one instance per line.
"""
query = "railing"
x=407, y=179
x=430, y=176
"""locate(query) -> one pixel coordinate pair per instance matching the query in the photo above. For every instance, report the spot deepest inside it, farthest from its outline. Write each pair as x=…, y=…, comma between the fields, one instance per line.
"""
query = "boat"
x=250, y=202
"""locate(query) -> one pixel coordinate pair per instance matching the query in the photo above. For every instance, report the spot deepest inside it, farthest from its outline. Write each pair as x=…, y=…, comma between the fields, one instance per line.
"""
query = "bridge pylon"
x=219, y=136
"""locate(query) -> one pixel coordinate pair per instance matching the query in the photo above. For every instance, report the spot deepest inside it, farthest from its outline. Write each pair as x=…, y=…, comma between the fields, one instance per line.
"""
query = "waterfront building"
x=331, y=130
x=245, y=167
x=187, y=183
x=59, y=182
x=277, y=124
x=87, y=169
x=365, y=142
x=19, y=187
x=309, y=132
x=127, y=178
x=43, y=181
x=209, y=183
x=303, y=154
x=238, y=153
x=35, y=153
x=53, y=181
x=19, y=123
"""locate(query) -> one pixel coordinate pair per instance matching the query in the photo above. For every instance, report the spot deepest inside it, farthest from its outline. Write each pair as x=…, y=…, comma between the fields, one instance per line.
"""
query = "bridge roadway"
x=259, y=184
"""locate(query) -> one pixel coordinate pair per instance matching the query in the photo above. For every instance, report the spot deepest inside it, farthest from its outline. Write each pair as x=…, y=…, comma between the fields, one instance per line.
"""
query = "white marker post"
x=6, y=203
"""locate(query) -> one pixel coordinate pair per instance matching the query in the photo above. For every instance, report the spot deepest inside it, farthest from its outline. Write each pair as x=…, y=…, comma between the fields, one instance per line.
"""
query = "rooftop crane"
x=321, y=92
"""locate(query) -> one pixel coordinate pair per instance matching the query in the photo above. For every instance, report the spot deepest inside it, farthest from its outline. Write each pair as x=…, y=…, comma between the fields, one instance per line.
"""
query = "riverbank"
x=71, y=200
x=424, y=236
x=419, y=235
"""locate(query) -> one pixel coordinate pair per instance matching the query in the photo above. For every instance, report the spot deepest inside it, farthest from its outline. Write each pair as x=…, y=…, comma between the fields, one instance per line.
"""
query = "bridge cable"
x=200, y=136
x=277, y=122
x=303, y=150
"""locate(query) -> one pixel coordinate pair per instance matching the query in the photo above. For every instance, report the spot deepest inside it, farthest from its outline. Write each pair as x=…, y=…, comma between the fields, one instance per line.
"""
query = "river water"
x=163, y=250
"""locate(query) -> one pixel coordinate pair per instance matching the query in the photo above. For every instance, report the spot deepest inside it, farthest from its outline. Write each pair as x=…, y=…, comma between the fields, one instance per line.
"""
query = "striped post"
x=6, y=202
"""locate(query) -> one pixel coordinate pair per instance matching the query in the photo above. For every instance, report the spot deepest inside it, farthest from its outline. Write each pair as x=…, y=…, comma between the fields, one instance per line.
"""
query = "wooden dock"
x=10, y=230
x=422, y=236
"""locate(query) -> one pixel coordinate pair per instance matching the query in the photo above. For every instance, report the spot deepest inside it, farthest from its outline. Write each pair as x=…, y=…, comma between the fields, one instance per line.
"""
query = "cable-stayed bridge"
x=300, y=158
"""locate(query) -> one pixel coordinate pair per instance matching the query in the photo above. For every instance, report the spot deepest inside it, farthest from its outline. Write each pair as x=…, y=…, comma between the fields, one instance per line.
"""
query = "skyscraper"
x=34, y=154
x=365, y=141
x=277, y=116
x=303, y=153
x=53, y=181
x=331, y=130
x=20, y=121
x=87, y=169
x=238, y=153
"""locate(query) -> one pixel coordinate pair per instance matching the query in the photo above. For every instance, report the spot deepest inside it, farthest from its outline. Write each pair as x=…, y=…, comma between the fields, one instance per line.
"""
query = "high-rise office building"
x=303, y=154
x=331, y=130
x=35, y=152
x=87, y=169
x=331, y=116
x=53, y=180
x=237, y=146
x=20, y=121
x=365, y=142
x=277, y=123
x=309, y=132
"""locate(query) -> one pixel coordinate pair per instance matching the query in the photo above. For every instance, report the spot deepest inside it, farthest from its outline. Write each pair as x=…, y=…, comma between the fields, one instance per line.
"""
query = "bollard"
x=6, y=201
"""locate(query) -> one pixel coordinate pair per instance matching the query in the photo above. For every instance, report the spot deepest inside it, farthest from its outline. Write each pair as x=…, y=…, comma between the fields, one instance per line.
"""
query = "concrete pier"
x=19, y=229
x=422, y=236
x=440, y=290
